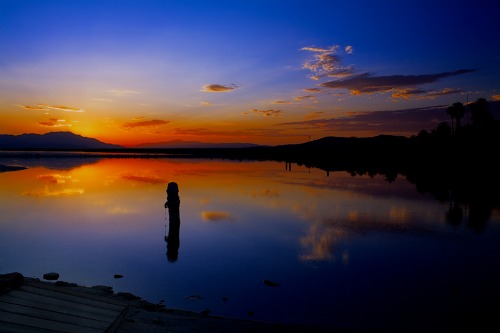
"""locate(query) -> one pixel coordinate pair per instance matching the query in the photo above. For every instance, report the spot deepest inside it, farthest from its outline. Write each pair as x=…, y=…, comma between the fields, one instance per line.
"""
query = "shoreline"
x=7, y=168
x=144, y=316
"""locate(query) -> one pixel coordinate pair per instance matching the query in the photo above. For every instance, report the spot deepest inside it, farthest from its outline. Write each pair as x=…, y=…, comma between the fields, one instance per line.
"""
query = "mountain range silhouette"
x=69, y=140
x=52, y=140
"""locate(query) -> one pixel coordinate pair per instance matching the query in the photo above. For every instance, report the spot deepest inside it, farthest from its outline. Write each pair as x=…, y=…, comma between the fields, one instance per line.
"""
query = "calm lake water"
x=347, y=251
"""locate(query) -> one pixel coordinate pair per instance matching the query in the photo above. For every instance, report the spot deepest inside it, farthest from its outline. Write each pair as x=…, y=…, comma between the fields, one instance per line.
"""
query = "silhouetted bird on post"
x=174, y=222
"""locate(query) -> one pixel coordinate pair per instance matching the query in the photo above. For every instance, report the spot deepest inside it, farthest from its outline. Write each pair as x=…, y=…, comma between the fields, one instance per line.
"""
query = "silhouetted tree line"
x=466, y=170
x=455, y=163
x=478, y=137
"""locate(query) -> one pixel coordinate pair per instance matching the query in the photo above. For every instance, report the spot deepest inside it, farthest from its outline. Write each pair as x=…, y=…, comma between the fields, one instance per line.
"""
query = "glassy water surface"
x=346, y=251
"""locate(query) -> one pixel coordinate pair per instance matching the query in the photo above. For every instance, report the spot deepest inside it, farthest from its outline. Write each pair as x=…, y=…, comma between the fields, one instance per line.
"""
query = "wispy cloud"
x=54, y=122
x=201, y=131
x=203, y=103
x=281, y=102
x=366, y=83
x=410, y=121
x=146, y=123
x=407, y=93
x=495, y=97
x=249, y=132
x=313, y=115
x=37, y=107
x=219, y=88
x=122, y=92
x=326, y=62
x=312, y=90
x=64, y=108
x=266, y=113
x=331, y=49
x=300, y=98
x=44, y=107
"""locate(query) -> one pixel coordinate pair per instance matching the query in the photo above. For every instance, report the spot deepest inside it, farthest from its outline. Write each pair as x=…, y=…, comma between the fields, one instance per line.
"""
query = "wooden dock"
x=37, y=308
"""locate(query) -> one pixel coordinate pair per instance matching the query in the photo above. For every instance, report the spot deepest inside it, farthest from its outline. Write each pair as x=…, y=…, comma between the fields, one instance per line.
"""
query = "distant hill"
x=175, y=144
x=348, y=143
x=52, y=140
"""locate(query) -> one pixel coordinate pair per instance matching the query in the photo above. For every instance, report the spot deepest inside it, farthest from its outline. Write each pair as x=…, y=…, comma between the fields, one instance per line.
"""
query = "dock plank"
x=16, y=328
x=51, y=315
x=35, y=322
x=84, y=299
x=42, y=308
x=57, y=305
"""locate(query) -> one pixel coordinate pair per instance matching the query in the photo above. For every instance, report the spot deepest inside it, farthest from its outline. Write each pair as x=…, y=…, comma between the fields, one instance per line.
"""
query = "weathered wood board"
x=43, y=308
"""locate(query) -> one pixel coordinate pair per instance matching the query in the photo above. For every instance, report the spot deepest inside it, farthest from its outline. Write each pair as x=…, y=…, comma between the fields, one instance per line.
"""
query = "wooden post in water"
x=174, y=222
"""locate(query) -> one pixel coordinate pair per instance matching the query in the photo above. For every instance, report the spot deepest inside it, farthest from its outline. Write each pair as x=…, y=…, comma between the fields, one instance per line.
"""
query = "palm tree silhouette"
x=456, y=112
x=481, y=115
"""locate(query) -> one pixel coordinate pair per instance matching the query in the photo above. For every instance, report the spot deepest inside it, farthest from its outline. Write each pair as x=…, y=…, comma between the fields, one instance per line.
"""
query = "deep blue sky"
x=258, y=71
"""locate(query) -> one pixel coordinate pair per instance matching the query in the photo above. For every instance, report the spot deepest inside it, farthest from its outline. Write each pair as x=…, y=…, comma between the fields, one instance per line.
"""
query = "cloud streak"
x=54, y=122
x=313, y=115
x=122, y=92
x=219, y=88
x=312, y=90
x=266, y=113
x=407, y=93
x=388, y=122
x=325, y=62
x=44, y=107
x=201, y=131
x=144, y=124
x=366, y=83
x=306, y=97
x=250, y=132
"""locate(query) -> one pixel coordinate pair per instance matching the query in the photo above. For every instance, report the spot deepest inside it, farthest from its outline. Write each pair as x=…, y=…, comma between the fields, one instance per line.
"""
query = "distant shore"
x=6, y=168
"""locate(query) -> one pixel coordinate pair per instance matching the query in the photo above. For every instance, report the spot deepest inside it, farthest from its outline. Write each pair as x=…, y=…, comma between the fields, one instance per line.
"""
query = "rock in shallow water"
x=103, y=289
x=65, y=284
x=10, y=281
x=51, y=276
x=271, y=283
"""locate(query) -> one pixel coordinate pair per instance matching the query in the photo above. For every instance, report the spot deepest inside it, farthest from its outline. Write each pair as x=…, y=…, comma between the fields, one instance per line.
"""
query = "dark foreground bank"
x=143, y=316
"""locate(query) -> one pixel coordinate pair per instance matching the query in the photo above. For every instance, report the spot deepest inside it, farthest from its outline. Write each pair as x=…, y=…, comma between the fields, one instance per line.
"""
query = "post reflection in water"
x=174, y=222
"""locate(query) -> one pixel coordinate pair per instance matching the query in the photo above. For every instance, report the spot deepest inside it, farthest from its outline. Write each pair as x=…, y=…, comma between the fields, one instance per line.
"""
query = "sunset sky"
x=260, y=71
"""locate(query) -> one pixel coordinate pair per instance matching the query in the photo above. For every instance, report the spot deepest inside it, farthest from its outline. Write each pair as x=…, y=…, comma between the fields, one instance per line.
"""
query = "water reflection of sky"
x=340, y=246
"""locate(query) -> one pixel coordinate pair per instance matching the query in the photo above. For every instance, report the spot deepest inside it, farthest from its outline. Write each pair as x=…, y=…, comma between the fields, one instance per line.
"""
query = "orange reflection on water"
x=116, y=192
x=216, y=216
